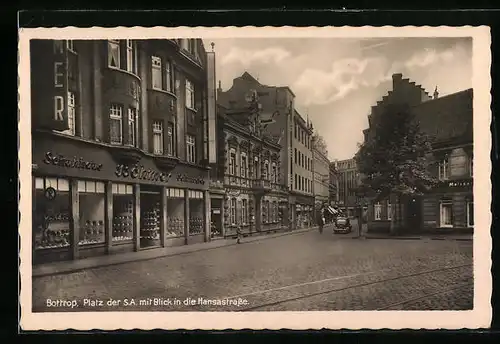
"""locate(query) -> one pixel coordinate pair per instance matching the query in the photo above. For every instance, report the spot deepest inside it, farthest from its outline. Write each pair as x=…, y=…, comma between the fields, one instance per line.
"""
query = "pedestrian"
x=321, y=220
x=238, y=234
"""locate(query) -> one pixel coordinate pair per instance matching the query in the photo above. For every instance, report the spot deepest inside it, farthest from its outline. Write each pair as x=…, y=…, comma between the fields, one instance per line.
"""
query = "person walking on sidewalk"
x=321, y=220
x=239, y=234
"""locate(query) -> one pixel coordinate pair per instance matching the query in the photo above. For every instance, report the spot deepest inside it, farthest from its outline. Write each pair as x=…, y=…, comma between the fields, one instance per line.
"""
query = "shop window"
x=52, y=215
x=132, y=127
x=389, y=211
x=232, y=162
x=151, y=216
x=114, y=53
x=156, y=72
x=196, y=211
x=175, y=208
x=71, y=115
x=233, y=211
x=92, y=200
x=190, y=99
x=115, y=124
x=377, y=207
x=470, y=214
x=446, y=214
x=275, y=211
x=170, y=139
x=123, y=212
x=191, y=148
x=158, y=137
x=244, y=211
x=444, y=169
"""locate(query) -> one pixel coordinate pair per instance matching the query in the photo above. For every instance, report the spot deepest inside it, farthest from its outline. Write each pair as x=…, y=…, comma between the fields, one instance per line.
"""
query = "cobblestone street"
x=299, y=272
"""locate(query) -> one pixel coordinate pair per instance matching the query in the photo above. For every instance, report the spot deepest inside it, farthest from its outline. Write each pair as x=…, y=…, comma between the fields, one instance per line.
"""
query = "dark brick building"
x=448, y=122
x=120, y=145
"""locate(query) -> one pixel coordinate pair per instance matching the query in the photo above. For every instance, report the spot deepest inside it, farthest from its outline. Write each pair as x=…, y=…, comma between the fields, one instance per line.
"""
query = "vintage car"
x=342, y=224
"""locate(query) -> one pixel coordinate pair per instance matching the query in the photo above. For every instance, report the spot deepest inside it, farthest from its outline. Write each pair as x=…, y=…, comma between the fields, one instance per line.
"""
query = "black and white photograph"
x=218, y=178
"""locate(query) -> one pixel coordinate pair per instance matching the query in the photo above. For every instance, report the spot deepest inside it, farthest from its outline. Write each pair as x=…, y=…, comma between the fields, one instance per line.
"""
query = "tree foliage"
x=319, y=143
x=393, y=159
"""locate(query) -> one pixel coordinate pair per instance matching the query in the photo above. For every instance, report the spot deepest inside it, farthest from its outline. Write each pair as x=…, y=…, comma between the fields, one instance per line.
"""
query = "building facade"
x=448, y=123
x=119, y=137
x=321, y=175
x=333, y=190
x=282, y=122
x=348, y=181
x=249, y=171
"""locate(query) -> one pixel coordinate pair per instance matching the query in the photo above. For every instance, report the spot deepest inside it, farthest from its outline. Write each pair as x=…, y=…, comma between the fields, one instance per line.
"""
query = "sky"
x=337, y=80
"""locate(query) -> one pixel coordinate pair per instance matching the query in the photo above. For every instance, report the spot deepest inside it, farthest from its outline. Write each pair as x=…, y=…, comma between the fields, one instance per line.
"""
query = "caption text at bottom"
x=146, y=302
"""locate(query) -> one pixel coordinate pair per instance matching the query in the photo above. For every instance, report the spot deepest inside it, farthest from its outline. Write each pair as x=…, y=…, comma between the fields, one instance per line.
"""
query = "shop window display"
x=195, y=212
x=123, y=212
x=52, y=214
x=175, y=209
x=150, y=217
x=92, y=202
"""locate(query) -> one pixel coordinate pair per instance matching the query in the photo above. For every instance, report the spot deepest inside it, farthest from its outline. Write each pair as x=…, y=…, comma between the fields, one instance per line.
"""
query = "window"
x=446, y=214
x=377, y=211
x=71, y=115
x=92, y=204
x=295, y=181
x=233, y=211
x=131, y=65
x=170, y=139
x=470, y=214
x=191, y=148
x=295, y=155
x=184, y=44
x=389, y=211
x=244, y=211
x=471, y=166
x=266, y=170
x=192, y=46
x=115, y=124
x=243, y=166
x=444, y=170
x=295, y=131
x=190, y=95
x=158, y=137
x=168, y=75
x=132, y=126
x=274, y=176
x=114, y=53
x=232, y=162
x=156, y=73
x=123, y=212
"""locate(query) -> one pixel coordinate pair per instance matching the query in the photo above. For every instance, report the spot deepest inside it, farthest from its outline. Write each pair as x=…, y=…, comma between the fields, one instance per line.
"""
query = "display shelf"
x=195, y=226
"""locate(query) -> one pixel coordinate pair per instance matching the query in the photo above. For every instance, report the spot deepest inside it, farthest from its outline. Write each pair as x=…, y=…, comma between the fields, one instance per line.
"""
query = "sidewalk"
x=146, y=254
x=427, y=236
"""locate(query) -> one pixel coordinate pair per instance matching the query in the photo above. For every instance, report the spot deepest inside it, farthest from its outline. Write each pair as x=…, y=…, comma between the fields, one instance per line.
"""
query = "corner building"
x=285, y=125
x=119, y=137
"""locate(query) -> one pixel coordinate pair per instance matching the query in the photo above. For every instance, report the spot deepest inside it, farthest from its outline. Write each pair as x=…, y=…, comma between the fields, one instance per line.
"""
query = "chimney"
x=436, y=93
x=396, y=80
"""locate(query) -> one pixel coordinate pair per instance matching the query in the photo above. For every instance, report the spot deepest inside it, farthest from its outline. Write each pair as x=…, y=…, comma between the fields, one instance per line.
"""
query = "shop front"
x=304, y=210
x=89, y=200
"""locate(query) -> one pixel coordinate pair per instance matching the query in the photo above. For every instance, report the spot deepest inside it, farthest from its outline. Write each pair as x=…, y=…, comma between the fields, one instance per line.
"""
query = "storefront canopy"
x=332, y=210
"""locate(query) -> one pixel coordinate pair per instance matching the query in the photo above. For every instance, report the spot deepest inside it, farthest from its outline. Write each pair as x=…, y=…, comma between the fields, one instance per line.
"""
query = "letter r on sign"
x=58, y=108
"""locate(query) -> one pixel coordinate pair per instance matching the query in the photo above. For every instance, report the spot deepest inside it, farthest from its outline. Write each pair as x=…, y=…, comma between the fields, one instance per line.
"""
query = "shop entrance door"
x=151, y=217
x=216, y=218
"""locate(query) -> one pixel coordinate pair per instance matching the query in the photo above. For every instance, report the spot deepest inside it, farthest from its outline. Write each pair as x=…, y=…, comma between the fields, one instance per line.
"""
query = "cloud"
x=346, y=75
x=248, y=57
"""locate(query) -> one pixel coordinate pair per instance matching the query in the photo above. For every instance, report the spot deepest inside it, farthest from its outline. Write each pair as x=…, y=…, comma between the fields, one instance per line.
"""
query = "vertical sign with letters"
x=60, y=86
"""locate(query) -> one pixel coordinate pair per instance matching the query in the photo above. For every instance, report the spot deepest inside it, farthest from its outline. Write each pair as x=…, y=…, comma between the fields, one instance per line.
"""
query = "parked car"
x=342, y=225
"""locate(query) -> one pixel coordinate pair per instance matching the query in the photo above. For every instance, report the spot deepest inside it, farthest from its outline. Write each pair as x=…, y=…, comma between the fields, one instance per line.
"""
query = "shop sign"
x=60, y=77
x=184, y=178
x=216, y=211
x=74, y=162
x=139, y=172
x=50, y=193
x=461, y=183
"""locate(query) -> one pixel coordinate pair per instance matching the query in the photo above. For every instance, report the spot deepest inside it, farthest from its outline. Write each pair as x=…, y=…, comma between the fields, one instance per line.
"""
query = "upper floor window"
x=377, y=209
x=232, y=162
x=170, y=139
x=132, y=126
x=156, y=72
x=158, y=137
x=115, y=124
x=114, y=54
x=274, y=174
x=295, y=181
x=244, y=211
x=71, y=115
x=444, y=169
x=192, y=46
x=191, y=148
x=131, y=63
x=184, y=43
x=266, y=170
x=190, y=95
x=243, y=165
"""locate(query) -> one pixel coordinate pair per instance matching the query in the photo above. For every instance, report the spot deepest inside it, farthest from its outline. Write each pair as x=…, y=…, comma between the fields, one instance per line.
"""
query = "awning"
x=331, y=210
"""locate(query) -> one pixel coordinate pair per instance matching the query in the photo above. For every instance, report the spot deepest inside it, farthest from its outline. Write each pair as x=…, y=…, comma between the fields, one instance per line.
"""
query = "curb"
x=230, y=242
x=418, y=238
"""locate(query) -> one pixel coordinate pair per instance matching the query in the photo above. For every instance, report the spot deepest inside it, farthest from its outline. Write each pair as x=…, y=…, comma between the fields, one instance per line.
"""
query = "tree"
x=393, y=160
x=319, y=143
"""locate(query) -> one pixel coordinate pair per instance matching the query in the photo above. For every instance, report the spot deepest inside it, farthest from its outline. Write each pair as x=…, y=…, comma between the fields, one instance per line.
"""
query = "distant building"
x=333, y=190
x=448, y=122
x=321, y=174
x=281, y=121
x=348, y=181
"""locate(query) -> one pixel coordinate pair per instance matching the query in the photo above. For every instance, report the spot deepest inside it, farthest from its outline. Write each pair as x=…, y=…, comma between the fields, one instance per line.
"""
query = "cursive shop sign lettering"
x=74, y=162
x=184, y=178
x=139, y=172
